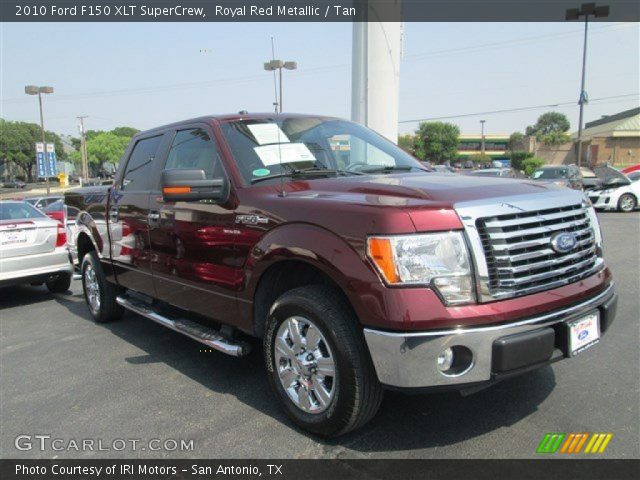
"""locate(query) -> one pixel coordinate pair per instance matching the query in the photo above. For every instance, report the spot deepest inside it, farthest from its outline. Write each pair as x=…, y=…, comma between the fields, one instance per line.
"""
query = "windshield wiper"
x=299, y=173
x=387, y=169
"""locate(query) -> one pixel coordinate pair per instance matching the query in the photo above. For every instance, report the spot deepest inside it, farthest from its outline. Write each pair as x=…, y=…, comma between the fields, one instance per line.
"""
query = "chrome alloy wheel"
x=92, y=288
x=305, y=365
x=627, y=203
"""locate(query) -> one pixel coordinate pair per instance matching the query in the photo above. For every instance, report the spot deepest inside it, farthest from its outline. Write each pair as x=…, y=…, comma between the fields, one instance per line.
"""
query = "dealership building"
x=495, y=146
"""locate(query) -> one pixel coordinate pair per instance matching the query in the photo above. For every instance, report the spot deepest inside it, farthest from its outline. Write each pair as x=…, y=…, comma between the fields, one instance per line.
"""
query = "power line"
x=518, y=109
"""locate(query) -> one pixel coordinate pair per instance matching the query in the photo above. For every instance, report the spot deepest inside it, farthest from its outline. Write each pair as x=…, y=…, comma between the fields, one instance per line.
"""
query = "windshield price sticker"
x=284, y=153
x=267, y=133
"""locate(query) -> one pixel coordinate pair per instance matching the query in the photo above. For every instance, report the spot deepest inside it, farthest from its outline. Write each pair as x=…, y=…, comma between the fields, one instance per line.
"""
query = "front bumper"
x=409, y=360
x=35, y=268
x=601, y=201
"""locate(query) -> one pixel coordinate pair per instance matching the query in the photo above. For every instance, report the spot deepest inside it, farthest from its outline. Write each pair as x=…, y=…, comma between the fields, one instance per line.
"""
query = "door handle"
x=114, y=214
x=153, y=218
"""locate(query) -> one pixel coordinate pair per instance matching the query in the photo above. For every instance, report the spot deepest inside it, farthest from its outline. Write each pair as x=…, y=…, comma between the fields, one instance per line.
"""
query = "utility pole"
x=482, y=138
x=83, y=149
x=585, y=10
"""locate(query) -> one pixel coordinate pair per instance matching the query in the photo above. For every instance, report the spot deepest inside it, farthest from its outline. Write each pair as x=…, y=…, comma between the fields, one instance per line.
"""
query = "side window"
x=193, y=148
x=137, y=174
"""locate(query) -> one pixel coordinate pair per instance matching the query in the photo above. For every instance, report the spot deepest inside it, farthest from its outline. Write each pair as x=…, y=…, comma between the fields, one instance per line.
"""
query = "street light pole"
x=482, y=138
x=83, y=149
x=279, y=65
x=35, y=90
x=585, y=10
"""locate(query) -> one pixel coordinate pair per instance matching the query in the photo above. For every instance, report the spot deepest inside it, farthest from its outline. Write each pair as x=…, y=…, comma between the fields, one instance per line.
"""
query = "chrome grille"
x=518, y=251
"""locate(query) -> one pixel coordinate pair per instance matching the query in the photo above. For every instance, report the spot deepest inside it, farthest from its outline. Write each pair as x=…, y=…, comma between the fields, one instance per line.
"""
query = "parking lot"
x=64, y=376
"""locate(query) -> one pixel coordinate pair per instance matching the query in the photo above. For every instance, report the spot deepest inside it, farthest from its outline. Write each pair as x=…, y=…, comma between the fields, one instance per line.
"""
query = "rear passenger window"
x=193, y=148
x=137, y=175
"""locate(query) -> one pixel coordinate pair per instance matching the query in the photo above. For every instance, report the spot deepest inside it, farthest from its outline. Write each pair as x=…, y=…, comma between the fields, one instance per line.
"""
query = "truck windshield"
x=269, y=148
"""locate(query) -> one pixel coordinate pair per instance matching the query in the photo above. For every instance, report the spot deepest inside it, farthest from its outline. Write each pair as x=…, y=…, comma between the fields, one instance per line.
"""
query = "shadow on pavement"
x=404, y=421
x=23, y=295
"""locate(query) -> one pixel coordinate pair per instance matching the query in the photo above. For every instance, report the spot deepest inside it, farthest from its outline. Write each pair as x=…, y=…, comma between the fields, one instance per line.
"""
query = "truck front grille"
x=519, y=255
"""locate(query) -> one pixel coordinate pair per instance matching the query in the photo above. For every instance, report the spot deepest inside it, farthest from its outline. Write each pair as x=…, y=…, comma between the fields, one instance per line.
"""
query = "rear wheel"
x=318, y=363
x=99, y=294
x=60, y=284
x=627, y=202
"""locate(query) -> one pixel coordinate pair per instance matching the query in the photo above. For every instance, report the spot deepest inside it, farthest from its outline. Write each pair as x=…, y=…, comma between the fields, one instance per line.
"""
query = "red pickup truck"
x=358, y=269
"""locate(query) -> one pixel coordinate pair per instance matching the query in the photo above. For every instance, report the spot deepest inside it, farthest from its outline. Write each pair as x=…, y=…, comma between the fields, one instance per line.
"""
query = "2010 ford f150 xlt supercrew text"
x=358, y=269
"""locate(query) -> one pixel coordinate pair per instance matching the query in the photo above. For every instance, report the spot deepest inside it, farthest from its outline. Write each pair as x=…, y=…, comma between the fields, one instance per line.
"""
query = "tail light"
x=61, y=239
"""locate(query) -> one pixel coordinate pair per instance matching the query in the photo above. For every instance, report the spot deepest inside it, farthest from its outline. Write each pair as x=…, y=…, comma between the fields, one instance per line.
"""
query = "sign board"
x=46, y=160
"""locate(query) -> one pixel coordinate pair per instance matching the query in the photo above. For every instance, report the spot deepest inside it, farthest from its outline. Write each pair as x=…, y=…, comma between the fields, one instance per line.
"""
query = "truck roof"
x=229, y=117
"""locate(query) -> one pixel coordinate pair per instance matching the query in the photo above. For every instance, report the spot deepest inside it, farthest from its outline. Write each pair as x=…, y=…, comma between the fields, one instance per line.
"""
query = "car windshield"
x=551, y=173
x=268, y=148
x=18, y=211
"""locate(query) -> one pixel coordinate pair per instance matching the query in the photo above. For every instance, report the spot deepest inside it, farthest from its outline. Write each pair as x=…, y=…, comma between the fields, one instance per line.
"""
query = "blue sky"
x=144, y=75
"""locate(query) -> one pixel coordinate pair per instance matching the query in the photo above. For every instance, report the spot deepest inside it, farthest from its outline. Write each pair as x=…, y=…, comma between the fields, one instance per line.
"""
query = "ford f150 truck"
x=358, y=269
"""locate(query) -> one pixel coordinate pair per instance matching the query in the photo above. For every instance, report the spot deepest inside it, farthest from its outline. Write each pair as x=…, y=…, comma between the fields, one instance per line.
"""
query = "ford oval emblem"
x=583, y=334
x=563, y=242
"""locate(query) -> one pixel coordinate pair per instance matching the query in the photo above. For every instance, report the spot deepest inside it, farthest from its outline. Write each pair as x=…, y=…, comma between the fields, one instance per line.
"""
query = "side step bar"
x=205, y=335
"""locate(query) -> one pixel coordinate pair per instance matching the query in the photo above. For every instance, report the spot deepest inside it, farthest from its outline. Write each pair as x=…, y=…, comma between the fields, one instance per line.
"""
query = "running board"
x=205, y=335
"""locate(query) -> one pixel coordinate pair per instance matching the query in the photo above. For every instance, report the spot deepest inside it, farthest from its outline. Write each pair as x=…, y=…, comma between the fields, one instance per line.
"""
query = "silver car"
x=33, y=248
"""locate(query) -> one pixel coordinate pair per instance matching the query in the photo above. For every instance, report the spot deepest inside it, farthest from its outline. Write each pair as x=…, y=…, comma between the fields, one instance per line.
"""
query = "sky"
x=148, y=74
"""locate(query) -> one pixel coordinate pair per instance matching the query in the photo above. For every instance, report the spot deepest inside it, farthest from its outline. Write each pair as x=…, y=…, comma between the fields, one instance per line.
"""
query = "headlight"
x=437, y=260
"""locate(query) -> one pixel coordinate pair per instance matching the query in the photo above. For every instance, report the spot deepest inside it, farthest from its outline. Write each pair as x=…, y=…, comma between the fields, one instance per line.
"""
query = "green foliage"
x=104, y=147
x=436, y=141
x=407, y=143
x=127, y=132
x=17, y=144
x=518, y=158
x=515, y=141
x=531, y=164
x=479, y=159
x=551, y=128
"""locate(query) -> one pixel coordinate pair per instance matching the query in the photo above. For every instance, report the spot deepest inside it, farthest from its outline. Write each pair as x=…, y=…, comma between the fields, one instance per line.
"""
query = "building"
x=495, y=146
x=613, y=139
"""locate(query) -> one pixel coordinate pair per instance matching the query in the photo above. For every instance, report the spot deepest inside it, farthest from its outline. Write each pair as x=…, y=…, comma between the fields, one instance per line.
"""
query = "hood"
x=405, y=190
x=608, y=175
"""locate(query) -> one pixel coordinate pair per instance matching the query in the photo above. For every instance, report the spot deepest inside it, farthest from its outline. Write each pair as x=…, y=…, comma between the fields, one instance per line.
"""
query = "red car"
x=632, y=168
x=358, y=269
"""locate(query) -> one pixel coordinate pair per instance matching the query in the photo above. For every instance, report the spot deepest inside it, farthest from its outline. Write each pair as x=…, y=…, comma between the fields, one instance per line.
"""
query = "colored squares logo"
x=574, y=443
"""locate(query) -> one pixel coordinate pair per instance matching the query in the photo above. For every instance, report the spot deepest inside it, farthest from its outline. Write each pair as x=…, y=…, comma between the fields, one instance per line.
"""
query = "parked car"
x=559, y=175
x=66, y=215
x=589, y=179
x=42, y=202
x=617, y=191
x=631, y=169
x=443, y=169
x=14, y=184
x=34, y=248
x=357, y=269
x=468, y=164
x=494, y=172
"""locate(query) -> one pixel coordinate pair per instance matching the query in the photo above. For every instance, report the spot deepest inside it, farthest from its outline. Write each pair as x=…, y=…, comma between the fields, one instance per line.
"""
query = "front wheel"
x=318, y=363
x=627, y=202
x=99, y=294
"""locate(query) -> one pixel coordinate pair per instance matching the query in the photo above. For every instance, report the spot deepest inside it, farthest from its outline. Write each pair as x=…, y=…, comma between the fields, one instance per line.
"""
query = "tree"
x=407, y=143
x=531, y=164
x=551, y=128
x=104, y=147
x=119, y=131
x=17, y=144
x=515, y=141
x=437, y=141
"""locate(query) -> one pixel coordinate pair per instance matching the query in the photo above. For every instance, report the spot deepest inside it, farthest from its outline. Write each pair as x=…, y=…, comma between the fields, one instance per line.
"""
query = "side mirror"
x=185, y=184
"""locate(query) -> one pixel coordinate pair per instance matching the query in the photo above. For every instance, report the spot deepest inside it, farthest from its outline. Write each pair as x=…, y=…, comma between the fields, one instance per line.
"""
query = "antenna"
x=275, y=81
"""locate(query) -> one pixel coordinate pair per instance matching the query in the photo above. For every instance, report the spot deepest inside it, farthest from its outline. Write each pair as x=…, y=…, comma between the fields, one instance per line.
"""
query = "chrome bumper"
x=409, y=360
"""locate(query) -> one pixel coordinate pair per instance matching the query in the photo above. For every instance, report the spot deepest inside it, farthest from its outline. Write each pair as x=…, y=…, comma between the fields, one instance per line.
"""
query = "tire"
x=627, y=203
x=352, y=396
x=95, y=285
x=60, y=284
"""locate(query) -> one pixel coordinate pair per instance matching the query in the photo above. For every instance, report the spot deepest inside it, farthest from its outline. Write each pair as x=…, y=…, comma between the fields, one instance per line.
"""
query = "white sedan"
x=619, y=193
x=33, y=248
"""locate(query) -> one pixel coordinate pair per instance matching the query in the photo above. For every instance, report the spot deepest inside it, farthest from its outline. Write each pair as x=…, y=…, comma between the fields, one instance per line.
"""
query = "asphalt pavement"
x=63, y=376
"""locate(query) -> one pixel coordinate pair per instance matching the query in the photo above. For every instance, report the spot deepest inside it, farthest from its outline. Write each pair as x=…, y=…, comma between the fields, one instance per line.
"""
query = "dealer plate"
x=584, y=332
x=11, y=237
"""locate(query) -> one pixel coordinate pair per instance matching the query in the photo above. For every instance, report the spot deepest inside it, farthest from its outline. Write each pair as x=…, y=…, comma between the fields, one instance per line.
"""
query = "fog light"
x=445, y=360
